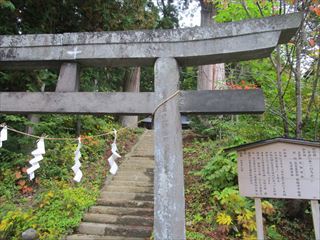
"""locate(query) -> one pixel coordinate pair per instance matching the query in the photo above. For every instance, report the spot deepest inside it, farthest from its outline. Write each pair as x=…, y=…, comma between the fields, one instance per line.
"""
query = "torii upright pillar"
x=169, y=205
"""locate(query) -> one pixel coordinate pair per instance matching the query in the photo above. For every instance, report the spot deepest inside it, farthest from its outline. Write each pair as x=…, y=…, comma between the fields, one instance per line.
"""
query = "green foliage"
x=13, y=223
x=214, y=207
x=189, y=79
x=54, y=201
x=62, y=208
x=170, y=15
x=195, y=236
x=231, y=200
x=240, y=10
x=8, y=186
x=73, y=16
x=273, y=234
x=7, y=4
x=221, y=170
x=237, y=211
x=9, y=158
x=59, y=208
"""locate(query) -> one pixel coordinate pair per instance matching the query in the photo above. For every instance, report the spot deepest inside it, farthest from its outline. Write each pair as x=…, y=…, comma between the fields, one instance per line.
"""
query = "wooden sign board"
x=280, y=170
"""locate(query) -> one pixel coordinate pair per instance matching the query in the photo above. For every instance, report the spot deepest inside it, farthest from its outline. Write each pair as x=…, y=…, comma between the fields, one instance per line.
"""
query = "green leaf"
x=7, y=4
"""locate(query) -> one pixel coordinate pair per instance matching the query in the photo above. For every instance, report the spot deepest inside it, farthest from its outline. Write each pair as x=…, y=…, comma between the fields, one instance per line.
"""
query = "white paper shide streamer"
x=3, y=135
x=114, y=156
x=77, y=164
x=37, y=157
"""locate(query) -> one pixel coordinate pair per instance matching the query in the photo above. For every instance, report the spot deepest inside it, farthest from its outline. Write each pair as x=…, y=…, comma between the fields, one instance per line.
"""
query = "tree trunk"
x=313, y=93
x=131, y=84
x=295, y=208
x=219, y=76
x=298, y=85
x=210, y=76
x=283, y=111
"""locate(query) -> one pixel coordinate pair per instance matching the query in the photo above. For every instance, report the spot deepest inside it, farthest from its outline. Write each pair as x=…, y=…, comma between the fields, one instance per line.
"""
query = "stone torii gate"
x=167, y=50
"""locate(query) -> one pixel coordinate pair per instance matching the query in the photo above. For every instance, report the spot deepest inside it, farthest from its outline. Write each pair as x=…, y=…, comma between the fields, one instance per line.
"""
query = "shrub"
x=221, y=171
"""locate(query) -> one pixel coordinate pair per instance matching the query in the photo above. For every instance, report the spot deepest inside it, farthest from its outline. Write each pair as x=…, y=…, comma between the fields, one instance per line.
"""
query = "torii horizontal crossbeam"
x=224, y=42
x=190, y=102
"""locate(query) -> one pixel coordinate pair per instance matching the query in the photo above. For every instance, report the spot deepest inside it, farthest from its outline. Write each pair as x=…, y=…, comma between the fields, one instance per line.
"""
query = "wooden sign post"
x=167, y=50
x=259, y=218
x=316, y=217
x=280, y=168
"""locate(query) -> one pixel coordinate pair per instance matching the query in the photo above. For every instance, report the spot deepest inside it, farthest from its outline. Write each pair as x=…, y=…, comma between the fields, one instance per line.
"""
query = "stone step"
x=133, y=178
x=120, y=182
x=103, y=229
x=129, y=231
x=142, y=164
x=143, y=145
x=125, y=209
x=121, y=211
x=96, y=237
x=141, y=153
x=128, y=189
x=136, y=166
x=141, y=172
x=133, y=157
x=130, y=203
x=140, y=158
x=145, y=171
x=125, y=196
x=147, y=139
x=134, y=174
x=115, y=219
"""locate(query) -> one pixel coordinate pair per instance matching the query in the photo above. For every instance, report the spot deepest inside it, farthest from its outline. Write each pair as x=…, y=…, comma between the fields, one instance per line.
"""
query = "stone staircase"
x=125, y=207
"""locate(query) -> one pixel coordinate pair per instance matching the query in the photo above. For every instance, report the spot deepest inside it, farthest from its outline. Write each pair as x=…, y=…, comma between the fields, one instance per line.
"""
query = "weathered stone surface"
x=169, y=209
x=192, y=46
x=30, y=234
x=130, y=204
x=133, y=178
x=120, y=211
x=286, y=23
x=95, y=237
x=222, y=101
x=191, y=102
x=92, y=228
x=128, y=189
x=81, y=102
x=128, y=231
x=69, y=78
x=126, y=196
x=132, y=183
x=136, y=166
x=116, y=219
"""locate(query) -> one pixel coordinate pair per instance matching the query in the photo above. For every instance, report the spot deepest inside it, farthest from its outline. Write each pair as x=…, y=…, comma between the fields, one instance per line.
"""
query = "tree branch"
x=243, y=3
x=260, y=9
x=313, y=94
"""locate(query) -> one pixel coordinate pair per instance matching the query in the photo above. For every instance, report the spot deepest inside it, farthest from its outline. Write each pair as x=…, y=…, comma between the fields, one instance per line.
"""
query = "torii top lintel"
x=234, y=41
